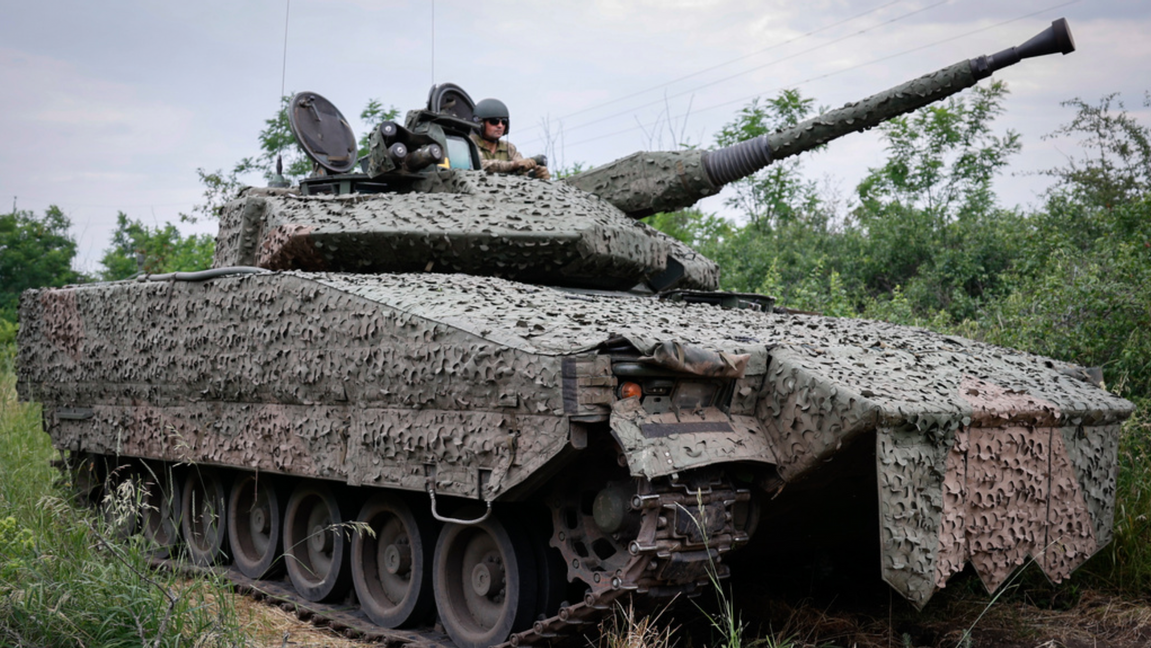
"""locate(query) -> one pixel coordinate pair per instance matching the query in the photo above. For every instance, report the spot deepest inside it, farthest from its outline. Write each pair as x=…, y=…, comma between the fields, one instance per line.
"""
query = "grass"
x=67, y=579
x=628, y=628
x=1124, y=566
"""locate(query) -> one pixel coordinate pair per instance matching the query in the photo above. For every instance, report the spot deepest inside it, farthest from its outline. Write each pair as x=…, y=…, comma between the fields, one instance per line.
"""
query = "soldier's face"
x=494, y=131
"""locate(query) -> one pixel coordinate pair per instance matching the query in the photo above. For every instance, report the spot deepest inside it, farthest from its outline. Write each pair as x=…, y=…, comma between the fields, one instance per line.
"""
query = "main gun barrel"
x=649, y=182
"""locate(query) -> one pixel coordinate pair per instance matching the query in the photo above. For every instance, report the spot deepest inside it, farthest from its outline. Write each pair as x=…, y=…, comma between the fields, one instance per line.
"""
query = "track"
x=682, y=530
x=344, y=618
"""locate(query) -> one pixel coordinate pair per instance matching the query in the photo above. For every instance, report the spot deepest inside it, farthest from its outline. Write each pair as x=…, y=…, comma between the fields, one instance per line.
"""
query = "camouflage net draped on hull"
x=983, y=454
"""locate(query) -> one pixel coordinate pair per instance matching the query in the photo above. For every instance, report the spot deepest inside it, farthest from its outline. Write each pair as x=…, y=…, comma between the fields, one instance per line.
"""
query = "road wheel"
x=160, y=519
x=392, y=566
x=316, y=543
x=485, y=582
x=255, y=528
x=202, y=515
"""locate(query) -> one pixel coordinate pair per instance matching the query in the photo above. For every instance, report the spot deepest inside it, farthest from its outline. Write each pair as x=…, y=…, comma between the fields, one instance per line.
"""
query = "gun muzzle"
x=1056, y=38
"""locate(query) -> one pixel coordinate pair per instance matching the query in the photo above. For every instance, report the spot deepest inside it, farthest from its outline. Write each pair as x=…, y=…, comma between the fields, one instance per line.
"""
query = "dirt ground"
x=1094, y=621
x=271, y=627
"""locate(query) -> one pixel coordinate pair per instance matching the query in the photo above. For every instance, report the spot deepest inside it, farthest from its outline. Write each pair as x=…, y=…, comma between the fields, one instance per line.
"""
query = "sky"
x=113, y=106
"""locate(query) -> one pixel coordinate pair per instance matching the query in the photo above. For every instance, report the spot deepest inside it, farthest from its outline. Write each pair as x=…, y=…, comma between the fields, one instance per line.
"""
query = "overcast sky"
x=112, y=106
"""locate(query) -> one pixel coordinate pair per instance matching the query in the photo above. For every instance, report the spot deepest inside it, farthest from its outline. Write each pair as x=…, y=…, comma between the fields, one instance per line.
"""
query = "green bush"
x=1093, y=309
x=7, y=346
x=1125, y=564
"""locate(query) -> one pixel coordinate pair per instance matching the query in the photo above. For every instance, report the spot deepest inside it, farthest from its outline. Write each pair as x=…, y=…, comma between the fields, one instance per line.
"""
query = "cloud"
x=63, y=116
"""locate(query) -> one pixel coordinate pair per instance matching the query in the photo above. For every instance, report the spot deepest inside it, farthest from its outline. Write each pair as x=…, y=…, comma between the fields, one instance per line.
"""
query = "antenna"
x=433, y=42
x=284, y=67
x=279, y=180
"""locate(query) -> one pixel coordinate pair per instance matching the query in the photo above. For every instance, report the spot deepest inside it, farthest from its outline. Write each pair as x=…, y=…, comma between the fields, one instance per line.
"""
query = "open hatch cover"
x=322, y=131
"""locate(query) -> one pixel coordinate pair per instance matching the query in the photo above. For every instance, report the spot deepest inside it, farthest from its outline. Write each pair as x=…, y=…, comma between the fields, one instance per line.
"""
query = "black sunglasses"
x=496, y=121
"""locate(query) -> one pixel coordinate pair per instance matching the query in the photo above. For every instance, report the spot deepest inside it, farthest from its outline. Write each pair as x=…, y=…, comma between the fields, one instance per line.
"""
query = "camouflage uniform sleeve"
x=504, y=166
x=489, y=161
x=513, y=153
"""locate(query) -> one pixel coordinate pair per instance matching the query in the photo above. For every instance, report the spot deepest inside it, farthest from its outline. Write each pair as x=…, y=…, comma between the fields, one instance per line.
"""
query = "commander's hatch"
x=323, y=133
x=451, y=110
x=328, y=140
x=396, y=160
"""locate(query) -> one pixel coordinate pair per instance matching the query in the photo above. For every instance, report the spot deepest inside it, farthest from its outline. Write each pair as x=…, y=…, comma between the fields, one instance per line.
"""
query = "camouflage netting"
x=476, y=383
x=473, y=222
x=648, y=182
x=872, y=111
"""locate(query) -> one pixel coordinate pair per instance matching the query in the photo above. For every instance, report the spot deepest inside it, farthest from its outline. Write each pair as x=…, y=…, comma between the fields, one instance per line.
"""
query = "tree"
x=1080, y=288
x=1097, y=196
x=787, y=219
x=778, y=194
x=943, y=158
x=1117, y=167
x=704, y=232
x=163, y=248
x=928, y=220
x=34, y=253
x=276, y=142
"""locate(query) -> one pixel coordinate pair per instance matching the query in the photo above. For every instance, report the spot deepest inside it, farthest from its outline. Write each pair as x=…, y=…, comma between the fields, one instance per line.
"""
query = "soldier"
x=501, y=156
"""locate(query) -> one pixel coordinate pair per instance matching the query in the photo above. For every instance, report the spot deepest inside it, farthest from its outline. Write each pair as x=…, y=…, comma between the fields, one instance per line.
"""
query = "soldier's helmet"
x=492, y=109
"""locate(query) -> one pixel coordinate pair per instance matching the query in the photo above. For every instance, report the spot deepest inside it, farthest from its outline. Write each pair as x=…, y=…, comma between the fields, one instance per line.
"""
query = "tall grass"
x=67, y=579
x=628, y=628
x=1125, y=565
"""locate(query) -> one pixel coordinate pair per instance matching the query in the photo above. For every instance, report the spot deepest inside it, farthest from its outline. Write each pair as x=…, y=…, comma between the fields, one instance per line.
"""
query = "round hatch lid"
x=450, y=99
x=322, y=131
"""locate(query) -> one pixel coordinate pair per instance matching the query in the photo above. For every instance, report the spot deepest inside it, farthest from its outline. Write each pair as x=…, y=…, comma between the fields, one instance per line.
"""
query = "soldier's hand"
x=524, y=165
x=541, y=173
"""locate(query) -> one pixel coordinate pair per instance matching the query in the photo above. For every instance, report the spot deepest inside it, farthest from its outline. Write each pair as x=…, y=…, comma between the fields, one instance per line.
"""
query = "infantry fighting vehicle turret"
x=539, y=404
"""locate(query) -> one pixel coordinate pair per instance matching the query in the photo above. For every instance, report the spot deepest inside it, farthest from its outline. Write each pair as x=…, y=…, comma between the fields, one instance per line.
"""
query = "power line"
x=831, y=74
x=729, y=62
x=756, y=68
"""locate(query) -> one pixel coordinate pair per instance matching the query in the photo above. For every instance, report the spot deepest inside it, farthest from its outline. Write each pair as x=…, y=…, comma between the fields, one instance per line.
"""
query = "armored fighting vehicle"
x=538, y=404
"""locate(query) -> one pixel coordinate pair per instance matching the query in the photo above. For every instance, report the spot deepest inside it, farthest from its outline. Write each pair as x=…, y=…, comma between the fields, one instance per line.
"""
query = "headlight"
x=693, y=395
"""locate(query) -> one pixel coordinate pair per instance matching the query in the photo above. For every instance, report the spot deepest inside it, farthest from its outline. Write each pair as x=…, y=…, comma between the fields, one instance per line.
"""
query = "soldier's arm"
x=499, y=166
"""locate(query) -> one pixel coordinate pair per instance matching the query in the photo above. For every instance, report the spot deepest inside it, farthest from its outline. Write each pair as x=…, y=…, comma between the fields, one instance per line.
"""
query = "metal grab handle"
x=441, y=518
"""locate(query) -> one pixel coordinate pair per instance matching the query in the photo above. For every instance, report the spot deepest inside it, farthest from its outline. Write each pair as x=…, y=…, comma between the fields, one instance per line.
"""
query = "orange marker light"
x=630, y=390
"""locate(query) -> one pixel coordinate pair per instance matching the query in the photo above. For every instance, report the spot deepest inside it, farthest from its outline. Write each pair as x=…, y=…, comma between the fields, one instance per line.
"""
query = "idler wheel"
x=202, y=511
x=161, y=515
x=392, y=566
x=316, y=543
x=255, y=530
x=485, y=581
